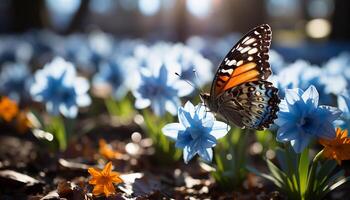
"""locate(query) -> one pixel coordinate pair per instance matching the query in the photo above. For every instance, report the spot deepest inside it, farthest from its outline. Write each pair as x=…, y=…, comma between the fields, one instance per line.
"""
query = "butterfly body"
x=240, y=93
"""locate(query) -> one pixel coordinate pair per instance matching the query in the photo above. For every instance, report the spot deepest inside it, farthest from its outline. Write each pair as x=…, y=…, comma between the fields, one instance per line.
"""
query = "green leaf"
x=277, y=173
x=334, y=186
x=303, y=171
x=323, y=172
x=277, y=182
x=57, y=128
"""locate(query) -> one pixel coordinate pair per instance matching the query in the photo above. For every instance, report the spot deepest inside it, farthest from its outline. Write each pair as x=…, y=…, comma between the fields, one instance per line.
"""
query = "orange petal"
x=109, y=189
x=108, y=168
x=94, y=172
x=116, y=179
x=98, y=189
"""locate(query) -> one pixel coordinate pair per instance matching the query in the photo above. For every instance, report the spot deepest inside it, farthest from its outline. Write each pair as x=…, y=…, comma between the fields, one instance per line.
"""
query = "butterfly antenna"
x=198, y=80
x=187, y=81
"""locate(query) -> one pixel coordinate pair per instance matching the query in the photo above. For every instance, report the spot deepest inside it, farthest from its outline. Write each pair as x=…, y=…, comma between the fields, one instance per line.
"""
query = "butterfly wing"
x=247, y=61
x=250, y=105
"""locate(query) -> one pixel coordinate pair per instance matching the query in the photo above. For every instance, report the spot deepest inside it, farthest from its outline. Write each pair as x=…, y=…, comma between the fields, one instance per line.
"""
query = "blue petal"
x=185, y=116
x=188, y=154
x=200, y=112
x=219, y=129
x=287, y=132
x=189, y=108
x=206, y=154
x=311, y=96
x=293, y=95
x=163, y=75
x=326, y=131
x=209, y=141
x=172, y=130
x=329, y=113
x=158, y=106
x=183, y=139
x=301, y=142
x=285, y=117
x=283, y=106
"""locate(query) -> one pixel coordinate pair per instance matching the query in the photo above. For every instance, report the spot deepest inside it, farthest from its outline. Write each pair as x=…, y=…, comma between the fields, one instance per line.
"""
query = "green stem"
x=122, y=108
x=313, y=172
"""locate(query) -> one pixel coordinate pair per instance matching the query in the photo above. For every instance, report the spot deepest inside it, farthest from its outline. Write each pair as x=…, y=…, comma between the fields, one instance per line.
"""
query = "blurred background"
x=300, y=27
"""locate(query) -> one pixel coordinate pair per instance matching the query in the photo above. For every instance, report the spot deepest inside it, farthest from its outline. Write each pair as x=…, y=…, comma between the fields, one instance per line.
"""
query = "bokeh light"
x=149, y=7
x=199, y=8
x=318, y=28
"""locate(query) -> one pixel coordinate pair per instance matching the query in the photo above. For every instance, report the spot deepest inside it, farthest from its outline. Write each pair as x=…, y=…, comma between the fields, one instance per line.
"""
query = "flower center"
x=104, y=179
x=304, y=122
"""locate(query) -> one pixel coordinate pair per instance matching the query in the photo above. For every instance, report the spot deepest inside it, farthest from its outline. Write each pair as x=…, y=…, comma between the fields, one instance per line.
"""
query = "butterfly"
x=239, y=92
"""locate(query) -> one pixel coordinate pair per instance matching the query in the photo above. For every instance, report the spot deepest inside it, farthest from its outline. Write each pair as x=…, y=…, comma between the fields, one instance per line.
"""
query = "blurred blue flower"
x=276, y=61
x=15, y=49
x=212, y=48
x=301, y=74
x=114, y=74
x=15, y=80
x=339, y=65
x=60, y=89
x=101, y=45
x=179, y=59
x=190, y=61
x=344, y=106
x=77, y=50
x=336, y=74
x=197, y=132
x=160, y=90
x=301, y=119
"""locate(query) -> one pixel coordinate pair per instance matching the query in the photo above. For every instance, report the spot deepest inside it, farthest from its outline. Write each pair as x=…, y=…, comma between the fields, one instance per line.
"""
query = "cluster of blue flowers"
x=115, y=67
x=156, y=75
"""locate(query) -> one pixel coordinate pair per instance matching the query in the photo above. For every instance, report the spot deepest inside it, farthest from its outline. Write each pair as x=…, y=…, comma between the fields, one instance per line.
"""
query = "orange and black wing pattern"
x=247, y=61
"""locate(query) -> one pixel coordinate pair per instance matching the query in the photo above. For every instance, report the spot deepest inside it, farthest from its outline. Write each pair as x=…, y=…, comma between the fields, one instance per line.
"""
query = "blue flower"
x=15, y=80
x=190, y=61
x=60, y=89
x=160, y=90
x=276, y=61
x=179, y=59
x=114, y=74
x=344, y=106
x=197, y=132
x=77, y=50
x=15, y=49
x=301, y=74
x=301, y=119
x=336, y=74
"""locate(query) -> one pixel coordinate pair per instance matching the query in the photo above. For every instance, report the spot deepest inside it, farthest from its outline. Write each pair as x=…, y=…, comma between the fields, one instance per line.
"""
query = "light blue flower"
x=336, y=74
x=344, y=106
x=15, y=80
x=180, y=59
x=190, y=61
x=15, y=49
x=115, y=74
x=77, y=50
x=58, y=86
x=197, y=132
x=276, y=61
x=301, y=119
x=339, y=65
x=301, y=74
x=161, y=90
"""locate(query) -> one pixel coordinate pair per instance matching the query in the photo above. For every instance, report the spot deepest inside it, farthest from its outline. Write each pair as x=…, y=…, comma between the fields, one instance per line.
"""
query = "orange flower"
x=107, y=152
x=103, y=180
x=8, y=109
x=22, y=122
x=338, y=148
